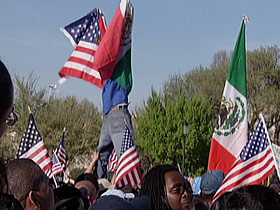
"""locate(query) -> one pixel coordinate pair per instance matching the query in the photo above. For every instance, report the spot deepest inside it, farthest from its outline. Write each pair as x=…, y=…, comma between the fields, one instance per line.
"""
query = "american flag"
x=128, y=171
x=32, y=146
x=85, y=34
x=113, y=161
x=56, y=168
x=61, y=153
x=254, y=165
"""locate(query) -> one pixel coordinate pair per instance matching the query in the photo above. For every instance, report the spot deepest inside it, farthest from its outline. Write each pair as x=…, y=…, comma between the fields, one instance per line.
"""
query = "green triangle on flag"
x=237, y=73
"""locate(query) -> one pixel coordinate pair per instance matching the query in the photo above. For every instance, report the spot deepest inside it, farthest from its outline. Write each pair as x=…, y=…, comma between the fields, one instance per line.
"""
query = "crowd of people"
x=24, y=185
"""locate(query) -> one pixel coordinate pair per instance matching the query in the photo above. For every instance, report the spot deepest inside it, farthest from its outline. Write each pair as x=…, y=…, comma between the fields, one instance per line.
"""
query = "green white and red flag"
x=231, y=133
x=115, y=46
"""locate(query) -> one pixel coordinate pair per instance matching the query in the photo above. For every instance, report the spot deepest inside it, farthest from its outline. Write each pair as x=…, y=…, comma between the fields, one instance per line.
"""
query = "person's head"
x=265, y=195
x=91, y=193
x=6, y=98
x=167, y=188
x=88, y=181
x=210, y=183
x=113, y=202
x=236, y=201
x=29, y=184
x=200, y=203
x=68, y=197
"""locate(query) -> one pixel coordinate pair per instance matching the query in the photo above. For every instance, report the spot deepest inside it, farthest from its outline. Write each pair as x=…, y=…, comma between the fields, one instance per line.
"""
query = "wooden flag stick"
x=29, y=109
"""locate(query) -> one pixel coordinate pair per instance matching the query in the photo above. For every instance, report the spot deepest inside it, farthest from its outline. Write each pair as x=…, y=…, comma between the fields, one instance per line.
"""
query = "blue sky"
x=168, y=37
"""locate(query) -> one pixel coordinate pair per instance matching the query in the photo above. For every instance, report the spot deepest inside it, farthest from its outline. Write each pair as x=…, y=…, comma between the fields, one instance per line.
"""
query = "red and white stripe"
x=128, y=171
x=252, y=171
x=39, y=154
x=113, y=161
x=80, y=64
x=61, y=156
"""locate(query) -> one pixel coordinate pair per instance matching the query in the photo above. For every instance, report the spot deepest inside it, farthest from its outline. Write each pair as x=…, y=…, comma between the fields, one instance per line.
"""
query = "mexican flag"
x=231, y=133
x=114, y=52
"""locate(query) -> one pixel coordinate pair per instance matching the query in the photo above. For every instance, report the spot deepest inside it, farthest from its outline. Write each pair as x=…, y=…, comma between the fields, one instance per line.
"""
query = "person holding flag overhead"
x=115, y=67
x=105, y=61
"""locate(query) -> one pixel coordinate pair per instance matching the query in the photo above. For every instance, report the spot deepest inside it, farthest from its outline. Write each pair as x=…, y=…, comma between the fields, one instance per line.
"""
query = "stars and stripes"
x=254, y=165
x=113, y=162
x=85, y=34
x=56, y=168
x=128, y=170
x=59, y=159
x=32, y=146
x=61, y=153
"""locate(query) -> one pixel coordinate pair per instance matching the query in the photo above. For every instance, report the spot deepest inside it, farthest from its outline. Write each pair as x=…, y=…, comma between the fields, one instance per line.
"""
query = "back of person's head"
x=6, y=89
x=154, y=186
x=236, y=201
x=113, y=202
x=8, y=202
x=210, y=182
x=88, y=181
x=200, y=203
x=27, y=180
x=68, y=197
x=275, y=187
x=265, y=195
x=88, y=177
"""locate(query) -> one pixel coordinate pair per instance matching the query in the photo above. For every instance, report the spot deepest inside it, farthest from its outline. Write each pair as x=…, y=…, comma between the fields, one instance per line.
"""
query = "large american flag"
x=61, y=153
x=128, y=170
x=85, y=34
x=33, y=147
x=254, y=165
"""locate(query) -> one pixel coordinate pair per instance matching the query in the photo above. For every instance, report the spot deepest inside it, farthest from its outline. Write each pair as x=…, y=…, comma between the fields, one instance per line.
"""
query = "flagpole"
x=55, y=183
x=51, y=87
x=275, y=163
x=29, y=109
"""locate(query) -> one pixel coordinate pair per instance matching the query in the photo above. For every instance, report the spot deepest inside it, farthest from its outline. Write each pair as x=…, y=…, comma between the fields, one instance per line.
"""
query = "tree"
x=81, y=119
x=160, y=131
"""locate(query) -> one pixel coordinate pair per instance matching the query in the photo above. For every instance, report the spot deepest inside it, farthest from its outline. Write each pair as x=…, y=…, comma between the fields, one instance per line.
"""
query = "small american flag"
x=56, y=168
x=61, y=153
x=113, y=161
x=85, y=34
x=128, y=171
x=32, y=146
x=254, y=165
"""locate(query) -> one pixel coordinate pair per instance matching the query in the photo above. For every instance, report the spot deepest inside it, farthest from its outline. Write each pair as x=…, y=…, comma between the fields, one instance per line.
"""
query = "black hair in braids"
x=154, y=186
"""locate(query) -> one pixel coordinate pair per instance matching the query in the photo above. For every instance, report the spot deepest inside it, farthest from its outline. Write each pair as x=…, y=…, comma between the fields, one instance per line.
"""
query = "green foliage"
x=160, y=121
x=81, y=119
x=160, y=132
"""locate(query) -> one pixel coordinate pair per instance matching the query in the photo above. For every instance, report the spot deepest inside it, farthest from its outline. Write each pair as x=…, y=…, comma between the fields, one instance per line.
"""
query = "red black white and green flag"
x=231, y=133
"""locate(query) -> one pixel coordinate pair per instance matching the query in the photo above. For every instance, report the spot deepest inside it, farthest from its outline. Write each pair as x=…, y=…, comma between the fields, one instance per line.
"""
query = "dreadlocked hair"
x=154, y=186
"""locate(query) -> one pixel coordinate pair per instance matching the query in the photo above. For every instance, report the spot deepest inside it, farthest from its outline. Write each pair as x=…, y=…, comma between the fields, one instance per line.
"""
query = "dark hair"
x=265, y=195
x=237, y=201
x=200, y=203
x=154, y=186
x=88, y=177
x=9, y=202
x=3, y=177
x=67, y=197
x=6, y=89
x=24, y=175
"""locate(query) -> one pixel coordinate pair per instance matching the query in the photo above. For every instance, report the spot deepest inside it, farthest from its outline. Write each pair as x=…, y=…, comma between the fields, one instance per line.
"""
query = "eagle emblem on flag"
x=231, y=114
